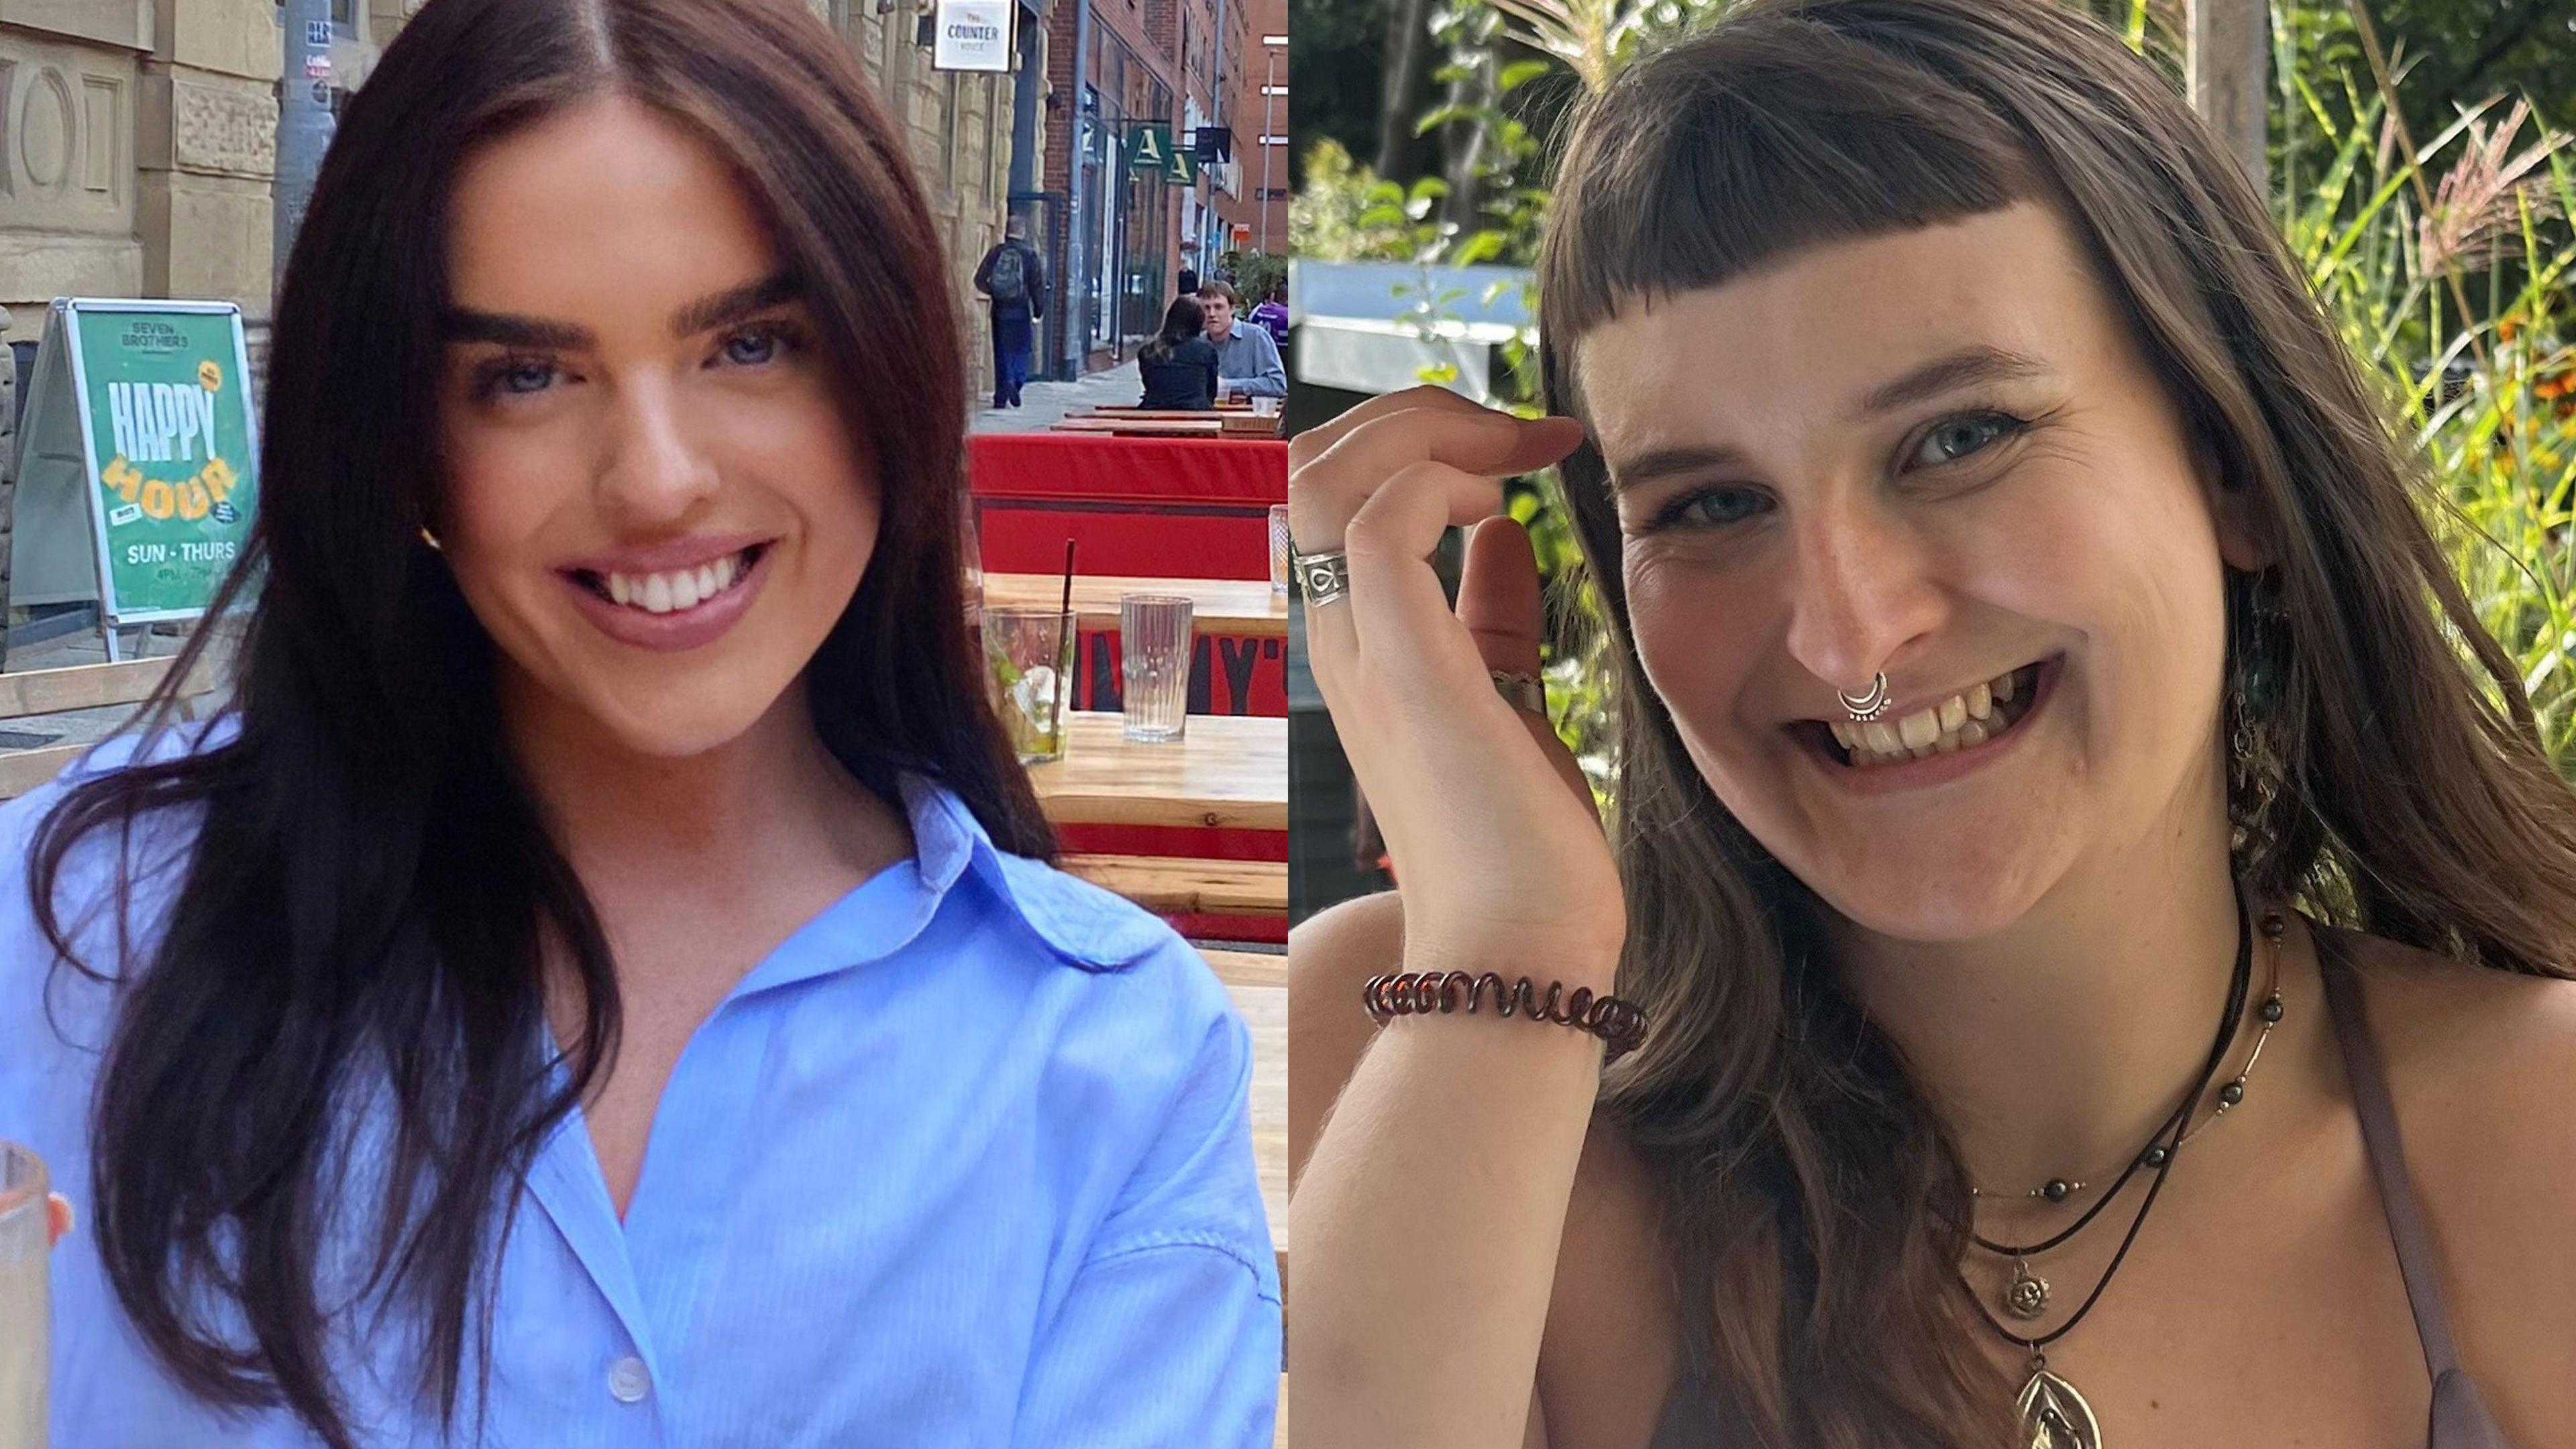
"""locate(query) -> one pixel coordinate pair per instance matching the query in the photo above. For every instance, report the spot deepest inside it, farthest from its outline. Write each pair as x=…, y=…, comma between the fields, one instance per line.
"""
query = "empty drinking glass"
x=1028, y=666
x=24, y=1315
x=1154, y=640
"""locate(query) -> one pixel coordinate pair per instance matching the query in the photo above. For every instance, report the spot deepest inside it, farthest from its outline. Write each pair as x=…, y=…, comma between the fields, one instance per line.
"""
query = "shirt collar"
x=1080, y=923
x=953, y=856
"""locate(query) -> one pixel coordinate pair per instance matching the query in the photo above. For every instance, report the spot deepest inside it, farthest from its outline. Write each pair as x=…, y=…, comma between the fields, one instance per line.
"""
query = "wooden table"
x=1245, y=608
x=1233, y=422
x=1228, y=771
x=1207, y=426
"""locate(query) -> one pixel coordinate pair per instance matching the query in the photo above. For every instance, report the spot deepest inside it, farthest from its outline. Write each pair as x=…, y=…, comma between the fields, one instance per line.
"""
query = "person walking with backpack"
x=1013, y=281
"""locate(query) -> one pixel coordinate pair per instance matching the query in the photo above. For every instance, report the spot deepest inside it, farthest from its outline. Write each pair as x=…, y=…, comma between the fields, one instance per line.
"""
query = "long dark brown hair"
x=362, y=908
x=1816, y=1213
x=1183, y=320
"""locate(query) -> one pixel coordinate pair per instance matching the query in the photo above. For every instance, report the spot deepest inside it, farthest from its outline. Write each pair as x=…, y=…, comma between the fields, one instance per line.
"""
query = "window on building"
x=344, y=13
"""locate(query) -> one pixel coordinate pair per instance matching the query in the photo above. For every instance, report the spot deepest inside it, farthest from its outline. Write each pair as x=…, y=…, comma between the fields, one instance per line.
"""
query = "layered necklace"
x=2054, y=1415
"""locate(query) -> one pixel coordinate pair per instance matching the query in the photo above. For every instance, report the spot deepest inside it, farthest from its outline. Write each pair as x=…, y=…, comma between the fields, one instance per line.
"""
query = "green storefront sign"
x=1150, y=148
x=143, y=409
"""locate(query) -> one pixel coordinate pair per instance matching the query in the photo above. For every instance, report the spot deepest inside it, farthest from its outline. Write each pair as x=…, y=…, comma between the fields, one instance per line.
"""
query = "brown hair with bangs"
x=1816, y=1212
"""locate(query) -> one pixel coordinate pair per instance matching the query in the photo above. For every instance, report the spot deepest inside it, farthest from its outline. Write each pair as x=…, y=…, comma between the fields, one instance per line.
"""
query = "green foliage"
x=1345, y=213
x=1256, y=273
x=2485, y=393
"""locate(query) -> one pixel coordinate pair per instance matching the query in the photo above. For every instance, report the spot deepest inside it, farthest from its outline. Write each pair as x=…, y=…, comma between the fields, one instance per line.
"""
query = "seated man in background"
x=1247, y=361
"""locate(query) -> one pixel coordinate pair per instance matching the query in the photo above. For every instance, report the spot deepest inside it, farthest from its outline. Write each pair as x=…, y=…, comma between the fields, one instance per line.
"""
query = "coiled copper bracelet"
x=1614, y=1019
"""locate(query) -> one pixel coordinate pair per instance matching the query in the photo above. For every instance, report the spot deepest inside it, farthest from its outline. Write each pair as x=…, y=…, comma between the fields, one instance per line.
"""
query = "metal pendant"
x=2026, y=1297
x=2054, y=1416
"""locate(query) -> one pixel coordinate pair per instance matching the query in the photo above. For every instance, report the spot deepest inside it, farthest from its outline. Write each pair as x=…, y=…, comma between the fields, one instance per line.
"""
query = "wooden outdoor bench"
x=1173, y=886
x=82, y=686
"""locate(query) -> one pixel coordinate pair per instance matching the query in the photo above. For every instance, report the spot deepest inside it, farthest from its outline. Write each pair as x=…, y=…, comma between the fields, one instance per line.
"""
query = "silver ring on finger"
x=1524, y=692
x=1323, y=577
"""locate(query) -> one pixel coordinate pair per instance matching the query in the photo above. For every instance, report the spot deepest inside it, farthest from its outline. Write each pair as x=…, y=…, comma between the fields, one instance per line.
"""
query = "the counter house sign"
x=973, y=35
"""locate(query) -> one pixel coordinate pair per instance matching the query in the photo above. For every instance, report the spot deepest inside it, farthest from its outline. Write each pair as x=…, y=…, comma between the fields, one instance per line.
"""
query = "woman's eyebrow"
x=1963, y=368
x=1668, y=462
x=733, y=304
x=510, y=329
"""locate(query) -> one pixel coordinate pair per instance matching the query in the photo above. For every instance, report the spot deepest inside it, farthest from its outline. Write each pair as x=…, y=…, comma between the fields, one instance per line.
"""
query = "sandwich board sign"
x=137, y=470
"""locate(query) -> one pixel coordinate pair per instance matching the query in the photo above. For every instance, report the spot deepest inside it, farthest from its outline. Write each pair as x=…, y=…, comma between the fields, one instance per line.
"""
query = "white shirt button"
x=628, y=1381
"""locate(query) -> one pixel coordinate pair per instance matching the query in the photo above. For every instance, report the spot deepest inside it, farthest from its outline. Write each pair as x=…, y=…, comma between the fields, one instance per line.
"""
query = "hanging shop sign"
x=973, y=35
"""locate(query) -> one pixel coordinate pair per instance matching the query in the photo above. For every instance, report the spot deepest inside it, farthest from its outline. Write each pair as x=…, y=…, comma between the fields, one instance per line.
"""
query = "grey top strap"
x=2460, y=1417
x=2371, y=1102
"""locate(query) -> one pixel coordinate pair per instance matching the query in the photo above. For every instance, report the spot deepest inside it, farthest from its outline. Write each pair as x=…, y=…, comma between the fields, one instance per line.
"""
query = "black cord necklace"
x=2054, y=1415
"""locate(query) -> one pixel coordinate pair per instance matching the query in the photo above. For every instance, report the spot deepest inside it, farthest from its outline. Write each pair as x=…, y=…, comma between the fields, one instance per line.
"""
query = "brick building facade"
x=1122, y=238
x=1261, y=127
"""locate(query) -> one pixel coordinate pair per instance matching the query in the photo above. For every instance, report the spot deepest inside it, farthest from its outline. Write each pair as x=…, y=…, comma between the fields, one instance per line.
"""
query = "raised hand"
x=1496, y=846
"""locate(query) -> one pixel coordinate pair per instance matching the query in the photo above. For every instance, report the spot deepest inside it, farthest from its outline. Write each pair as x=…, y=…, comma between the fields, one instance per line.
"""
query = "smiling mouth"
x=673, y=591
x=1969, y=720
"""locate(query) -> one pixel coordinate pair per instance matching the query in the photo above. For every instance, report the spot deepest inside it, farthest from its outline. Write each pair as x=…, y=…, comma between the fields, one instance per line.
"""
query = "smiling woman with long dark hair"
x=602, y=980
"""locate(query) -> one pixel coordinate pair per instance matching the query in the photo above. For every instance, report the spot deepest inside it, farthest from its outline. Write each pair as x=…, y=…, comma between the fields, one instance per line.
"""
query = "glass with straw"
x=1028, y=670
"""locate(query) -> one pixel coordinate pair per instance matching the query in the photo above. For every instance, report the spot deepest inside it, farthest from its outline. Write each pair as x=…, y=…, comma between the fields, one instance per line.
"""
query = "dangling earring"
x=2256, y=767
x=431, y=539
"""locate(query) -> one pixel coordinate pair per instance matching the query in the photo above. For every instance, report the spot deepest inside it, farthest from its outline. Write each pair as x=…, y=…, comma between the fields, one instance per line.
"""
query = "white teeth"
x=679, y=589
x=1963, y=720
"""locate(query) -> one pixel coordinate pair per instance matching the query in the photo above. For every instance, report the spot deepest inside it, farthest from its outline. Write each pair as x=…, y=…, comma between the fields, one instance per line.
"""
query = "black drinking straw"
x=1064, y=612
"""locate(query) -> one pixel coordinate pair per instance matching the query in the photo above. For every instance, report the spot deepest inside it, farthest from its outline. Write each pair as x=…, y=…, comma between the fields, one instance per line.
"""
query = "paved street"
x=1043, y=402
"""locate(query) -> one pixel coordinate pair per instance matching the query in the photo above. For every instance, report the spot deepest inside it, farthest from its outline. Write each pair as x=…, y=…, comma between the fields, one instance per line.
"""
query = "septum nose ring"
x=1868, y=706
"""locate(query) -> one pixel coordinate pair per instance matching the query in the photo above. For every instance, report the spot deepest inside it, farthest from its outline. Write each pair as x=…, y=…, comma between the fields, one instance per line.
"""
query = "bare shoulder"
x=2488, y=1055
x=2482, y=1067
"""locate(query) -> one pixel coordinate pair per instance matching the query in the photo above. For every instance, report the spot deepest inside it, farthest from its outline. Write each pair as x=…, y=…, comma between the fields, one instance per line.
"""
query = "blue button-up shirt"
x=966, y=1161
x=1247, y=361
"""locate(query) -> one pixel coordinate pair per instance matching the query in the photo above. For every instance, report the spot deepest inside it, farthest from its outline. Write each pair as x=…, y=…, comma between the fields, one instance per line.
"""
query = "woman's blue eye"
x=1717, y=506
x=523, y=378
x=750, y=349
x=1957, y=437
